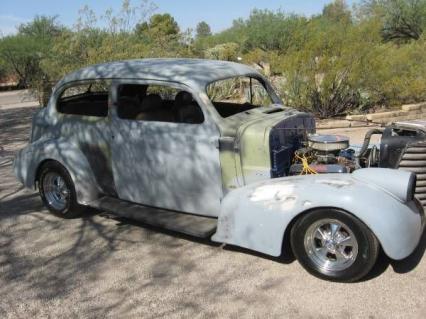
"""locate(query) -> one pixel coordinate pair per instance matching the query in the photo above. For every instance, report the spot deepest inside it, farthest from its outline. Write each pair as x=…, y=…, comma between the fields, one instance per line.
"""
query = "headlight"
x=399, y=183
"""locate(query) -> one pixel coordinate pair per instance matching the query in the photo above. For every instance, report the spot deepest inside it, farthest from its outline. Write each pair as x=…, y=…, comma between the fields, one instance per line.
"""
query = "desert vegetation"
x=344, y=60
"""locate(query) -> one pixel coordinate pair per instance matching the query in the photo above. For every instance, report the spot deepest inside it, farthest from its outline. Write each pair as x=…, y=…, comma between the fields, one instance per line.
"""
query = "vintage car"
x=206, y=148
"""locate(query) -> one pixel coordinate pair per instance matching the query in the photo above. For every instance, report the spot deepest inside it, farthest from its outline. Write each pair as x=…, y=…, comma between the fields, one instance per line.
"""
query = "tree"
x=203, y=30
x=225, y=51
x=325, y=73
x=4, y=71
x=22, y=54
x=24, y=51
x=41, y=27
x=337, y=11
x=264, y=29
x=404, y=19
x=158, y=25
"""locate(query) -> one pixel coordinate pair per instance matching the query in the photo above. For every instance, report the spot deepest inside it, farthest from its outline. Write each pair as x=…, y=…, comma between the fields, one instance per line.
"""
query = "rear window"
x=88, y=99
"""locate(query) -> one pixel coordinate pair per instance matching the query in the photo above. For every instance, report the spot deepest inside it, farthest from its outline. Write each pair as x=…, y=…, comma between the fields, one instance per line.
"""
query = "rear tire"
x=334, y=245
x=57, y=191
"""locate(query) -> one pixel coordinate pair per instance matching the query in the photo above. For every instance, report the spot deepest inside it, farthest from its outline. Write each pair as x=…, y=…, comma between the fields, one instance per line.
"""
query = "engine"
x=402, y=146
x=323, y=154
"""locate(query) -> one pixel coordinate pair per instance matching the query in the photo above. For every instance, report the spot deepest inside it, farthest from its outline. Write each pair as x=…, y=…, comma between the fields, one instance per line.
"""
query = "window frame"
x=58, y=93
x=275, y=99
x=176, y=85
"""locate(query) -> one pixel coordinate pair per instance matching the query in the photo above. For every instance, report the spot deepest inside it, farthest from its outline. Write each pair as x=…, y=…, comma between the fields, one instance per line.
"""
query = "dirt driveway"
x=99, y=267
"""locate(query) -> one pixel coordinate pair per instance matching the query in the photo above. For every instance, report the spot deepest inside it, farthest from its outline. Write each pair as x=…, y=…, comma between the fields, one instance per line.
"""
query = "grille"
x=280, y=161
x=414, y=160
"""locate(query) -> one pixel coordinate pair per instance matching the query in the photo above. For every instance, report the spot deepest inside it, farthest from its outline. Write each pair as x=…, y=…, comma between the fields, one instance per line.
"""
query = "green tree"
x=22, y=54
x=162, y=34
x=325, y=74
x=225, y=51
x=235, y=34
x=203, y=30
x=337, y=11
x=159, y=25
x=264, y=29
x=404, y=19
x=41, y=27
x=118, y=39
x=4, y=69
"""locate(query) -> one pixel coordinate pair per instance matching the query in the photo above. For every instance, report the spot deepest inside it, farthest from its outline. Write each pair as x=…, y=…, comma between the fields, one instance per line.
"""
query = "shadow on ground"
x=399, y=266
x=45, y=258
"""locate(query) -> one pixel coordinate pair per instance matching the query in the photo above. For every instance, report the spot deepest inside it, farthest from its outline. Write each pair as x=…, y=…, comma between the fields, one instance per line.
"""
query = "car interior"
x=236, y=95
x=87, y=103
x=226, y=109
x=155, y=103
x=144, y=103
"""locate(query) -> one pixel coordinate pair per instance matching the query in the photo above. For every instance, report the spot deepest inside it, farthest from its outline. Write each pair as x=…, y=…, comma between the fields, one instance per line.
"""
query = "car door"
x=82, y=119
x=158, y=160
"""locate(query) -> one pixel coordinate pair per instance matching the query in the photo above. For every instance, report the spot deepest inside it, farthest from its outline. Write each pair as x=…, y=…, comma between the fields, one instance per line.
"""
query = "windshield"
x=238, y=94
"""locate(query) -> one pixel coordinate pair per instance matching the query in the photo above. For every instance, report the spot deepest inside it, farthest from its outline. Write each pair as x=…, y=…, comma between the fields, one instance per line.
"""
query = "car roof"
x=192, y=72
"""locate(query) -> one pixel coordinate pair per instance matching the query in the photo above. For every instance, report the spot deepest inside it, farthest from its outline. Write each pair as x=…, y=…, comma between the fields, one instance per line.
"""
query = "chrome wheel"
x=331, y=245
x=56, y=191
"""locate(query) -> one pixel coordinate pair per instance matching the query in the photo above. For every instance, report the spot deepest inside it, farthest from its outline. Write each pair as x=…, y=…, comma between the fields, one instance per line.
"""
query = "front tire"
x=57, y=191
x=334, y=245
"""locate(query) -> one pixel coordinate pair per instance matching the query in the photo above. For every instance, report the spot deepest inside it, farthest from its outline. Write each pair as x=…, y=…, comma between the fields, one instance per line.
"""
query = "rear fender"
x=257, y=216
x=29, y=160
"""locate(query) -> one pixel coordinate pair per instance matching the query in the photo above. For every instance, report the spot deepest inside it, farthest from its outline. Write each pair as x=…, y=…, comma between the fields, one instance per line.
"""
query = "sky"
x=219, y=14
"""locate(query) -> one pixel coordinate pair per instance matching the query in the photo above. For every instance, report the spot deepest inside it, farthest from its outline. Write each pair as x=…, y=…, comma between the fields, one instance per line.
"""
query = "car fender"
x=28, y=161
x=257, y=216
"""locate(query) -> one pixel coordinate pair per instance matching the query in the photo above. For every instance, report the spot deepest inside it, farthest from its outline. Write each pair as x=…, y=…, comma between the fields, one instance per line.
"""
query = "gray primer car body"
x=256, y=216
x=219, y=168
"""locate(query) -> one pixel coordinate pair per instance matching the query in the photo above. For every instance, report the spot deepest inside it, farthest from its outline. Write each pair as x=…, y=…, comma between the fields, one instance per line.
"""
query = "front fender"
x=257, y=216
x=29, y=159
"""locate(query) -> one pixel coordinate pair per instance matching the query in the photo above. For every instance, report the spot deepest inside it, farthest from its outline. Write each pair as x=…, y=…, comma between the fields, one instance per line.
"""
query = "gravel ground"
x=98, y=267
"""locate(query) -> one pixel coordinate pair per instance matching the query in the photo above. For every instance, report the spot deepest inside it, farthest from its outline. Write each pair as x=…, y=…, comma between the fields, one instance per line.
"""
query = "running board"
x=193, y=225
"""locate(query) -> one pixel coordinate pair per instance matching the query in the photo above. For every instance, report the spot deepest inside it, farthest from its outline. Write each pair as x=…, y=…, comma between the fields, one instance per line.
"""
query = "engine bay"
x=402, y=146
x=323, y=154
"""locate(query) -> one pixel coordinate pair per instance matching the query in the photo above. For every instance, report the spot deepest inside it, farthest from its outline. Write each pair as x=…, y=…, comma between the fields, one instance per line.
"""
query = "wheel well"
x=286, y=247
x=39, y=169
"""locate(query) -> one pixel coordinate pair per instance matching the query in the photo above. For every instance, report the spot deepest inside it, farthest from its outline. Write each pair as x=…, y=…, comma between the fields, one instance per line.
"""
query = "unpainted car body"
x=220, y=167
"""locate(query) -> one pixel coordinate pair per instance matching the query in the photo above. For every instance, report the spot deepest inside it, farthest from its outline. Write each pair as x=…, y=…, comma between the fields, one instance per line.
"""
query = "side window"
x=157, y=103
x=88, y=99
x=238, y=94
